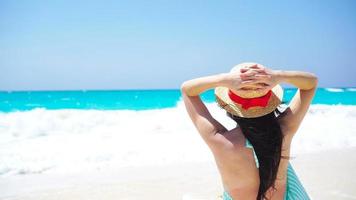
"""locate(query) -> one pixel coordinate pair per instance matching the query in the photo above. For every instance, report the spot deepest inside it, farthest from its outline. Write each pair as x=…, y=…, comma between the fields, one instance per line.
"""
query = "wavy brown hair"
x=266, y=137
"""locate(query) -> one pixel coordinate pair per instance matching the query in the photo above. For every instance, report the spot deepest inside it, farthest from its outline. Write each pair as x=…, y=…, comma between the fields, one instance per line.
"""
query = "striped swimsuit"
x=294, y=190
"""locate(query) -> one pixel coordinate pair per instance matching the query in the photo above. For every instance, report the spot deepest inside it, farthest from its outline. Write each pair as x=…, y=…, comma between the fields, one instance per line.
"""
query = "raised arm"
x=307, y=84
x=206, y=125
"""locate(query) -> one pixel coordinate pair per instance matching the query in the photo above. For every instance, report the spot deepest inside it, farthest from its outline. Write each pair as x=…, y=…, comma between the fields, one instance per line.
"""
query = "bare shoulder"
x=231, y=141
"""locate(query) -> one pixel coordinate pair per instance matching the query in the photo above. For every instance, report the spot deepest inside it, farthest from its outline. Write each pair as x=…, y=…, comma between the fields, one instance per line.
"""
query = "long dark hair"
x=266, y=137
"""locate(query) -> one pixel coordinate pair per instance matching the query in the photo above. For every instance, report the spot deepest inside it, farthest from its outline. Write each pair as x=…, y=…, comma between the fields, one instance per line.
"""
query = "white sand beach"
x=326, y=175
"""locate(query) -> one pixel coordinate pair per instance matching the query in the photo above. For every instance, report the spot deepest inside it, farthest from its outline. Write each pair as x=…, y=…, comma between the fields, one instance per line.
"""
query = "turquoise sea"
x=137, y=99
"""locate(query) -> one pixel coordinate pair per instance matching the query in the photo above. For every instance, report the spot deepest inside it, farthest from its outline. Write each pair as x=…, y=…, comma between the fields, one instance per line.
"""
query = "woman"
x=253, y=157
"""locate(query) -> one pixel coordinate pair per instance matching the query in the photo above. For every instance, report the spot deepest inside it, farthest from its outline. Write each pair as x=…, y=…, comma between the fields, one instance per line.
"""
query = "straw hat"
x=248, y=104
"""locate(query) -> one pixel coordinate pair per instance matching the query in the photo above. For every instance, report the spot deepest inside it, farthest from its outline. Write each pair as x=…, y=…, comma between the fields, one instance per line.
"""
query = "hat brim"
x=224, y=101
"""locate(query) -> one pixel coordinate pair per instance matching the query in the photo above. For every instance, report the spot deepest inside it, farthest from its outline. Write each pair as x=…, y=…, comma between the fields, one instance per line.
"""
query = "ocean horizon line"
x=144, y=89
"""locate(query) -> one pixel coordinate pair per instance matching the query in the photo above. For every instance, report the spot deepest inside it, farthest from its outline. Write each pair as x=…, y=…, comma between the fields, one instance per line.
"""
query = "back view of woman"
x=252, y=158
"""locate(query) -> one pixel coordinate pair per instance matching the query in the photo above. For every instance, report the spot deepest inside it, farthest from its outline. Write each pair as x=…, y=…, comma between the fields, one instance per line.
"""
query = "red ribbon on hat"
x=246, y=103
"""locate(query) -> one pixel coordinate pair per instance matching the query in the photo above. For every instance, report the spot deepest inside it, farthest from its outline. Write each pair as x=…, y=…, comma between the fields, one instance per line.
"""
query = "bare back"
x=237, y=167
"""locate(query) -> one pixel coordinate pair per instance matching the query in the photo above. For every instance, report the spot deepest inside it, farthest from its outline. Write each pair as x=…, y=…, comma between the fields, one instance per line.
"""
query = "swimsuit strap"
x=249, y=145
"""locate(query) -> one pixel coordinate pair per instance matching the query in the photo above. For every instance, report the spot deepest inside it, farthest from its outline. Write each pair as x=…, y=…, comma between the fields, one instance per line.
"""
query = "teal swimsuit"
x=294, y=190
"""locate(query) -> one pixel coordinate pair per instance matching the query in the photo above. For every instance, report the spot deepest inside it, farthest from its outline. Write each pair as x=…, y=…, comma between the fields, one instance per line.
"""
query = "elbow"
x=311, y=82
x=183, y=87
x=186, y=88
x=315, y=81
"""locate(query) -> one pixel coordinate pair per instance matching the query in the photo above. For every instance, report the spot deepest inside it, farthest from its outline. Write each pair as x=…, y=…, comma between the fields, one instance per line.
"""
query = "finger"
x=243, y=70
x=261, y=66
x=258, y=70
x=262, y=76
x=251, y=78
x=250, y=82
x=248, y=73
x=256, y=66
x=248, y=78
x=258, y=77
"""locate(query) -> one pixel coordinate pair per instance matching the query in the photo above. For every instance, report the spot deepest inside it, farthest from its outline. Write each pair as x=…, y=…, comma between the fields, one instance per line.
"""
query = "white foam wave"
x=334, y=89
x=60, y=141
x=351, y=89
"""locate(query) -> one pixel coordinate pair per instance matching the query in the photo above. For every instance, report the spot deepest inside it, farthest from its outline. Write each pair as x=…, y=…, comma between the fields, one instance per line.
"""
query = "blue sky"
x=59, y=45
